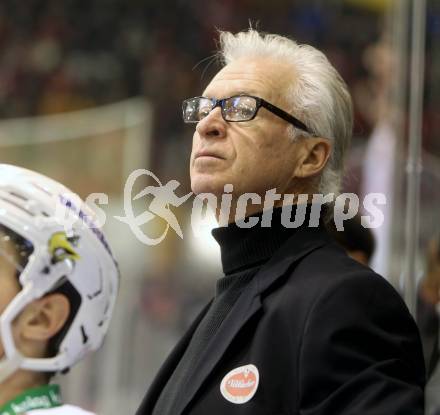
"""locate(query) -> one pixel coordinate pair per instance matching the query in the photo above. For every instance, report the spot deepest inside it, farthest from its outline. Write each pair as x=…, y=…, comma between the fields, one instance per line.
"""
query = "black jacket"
x=327, y=336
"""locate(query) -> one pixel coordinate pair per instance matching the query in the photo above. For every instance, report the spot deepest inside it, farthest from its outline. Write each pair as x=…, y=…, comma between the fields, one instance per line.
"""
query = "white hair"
x=318, y=95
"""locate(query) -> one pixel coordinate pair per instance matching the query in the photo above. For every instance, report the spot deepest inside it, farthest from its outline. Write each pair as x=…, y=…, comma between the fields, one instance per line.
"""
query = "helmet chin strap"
x=8, y=366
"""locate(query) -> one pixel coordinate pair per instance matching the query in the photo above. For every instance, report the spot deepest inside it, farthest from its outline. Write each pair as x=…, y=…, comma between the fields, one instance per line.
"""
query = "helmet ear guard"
x=68, y=257
x=27, y=295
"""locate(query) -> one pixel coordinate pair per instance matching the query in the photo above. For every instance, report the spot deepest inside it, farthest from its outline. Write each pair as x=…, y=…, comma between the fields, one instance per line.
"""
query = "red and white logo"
x=240, y=384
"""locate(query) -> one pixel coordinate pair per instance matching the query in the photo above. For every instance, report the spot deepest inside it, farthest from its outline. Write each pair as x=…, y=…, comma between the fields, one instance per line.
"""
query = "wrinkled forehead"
x=264, y=78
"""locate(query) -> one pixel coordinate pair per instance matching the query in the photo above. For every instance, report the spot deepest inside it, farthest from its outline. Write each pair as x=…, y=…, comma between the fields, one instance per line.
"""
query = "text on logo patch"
x=240, y=384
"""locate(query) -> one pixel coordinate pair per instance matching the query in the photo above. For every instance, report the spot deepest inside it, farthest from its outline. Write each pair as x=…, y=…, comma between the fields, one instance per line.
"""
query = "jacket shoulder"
x=329, y=268
x=329, y=273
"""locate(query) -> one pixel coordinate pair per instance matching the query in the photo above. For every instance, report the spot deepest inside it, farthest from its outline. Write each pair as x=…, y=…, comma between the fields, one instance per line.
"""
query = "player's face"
x=254, y=156
x=9, y=286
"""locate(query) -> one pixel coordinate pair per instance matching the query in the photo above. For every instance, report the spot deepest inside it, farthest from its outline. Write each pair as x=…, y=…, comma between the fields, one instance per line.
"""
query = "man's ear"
x=316, y=152
x=44, y=318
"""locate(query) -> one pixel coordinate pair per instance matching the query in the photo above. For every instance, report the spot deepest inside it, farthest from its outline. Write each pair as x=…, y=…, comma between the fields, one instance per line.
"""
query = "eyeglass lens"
x=238, y=108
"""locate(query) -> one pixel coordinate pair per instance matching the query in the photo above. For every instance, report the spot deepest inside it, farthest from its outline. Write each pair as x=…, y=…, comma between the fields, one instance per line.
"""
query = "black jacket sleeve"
x=361, y=352
x=428, y=322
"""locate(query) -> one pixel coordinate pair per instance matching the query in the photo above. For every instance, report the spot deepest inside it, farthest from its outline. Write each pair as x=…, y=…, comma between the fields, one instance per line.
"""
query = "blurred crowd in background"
x=60, y=56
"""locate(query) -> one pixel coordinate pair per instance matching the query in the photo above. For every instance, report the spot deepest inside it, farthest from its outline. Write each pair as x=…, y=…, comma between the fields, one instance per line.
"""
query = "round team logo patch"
x=240, y=384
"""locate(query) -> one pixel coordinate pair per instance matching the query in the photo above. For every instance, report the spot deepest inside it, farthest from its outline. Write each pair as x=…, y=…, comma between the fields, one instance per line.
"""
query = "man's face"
x=9, y=286
x=254, y=156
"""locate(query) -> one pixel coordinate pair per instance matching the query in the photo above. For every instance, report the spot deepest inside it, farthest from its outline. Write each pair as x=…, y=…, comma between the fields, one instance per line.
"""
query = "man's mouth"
x=207, y=153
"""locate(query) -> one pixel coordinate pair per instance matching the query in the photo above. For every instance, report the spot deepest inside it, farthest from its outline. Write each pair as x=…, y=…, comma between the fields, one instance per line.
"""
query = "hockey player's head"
x=58, y=277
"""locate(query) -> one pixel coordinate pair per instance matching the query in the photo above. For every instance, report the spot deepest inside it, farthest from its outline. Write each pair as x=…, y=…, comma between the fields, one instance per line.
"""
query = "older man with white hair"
x=295, y=326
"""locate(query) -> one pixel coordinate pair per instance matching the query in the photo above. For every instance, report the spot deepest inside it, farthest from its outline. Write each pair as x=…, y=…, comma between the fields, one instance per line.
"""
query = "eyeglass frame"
x=260, y=102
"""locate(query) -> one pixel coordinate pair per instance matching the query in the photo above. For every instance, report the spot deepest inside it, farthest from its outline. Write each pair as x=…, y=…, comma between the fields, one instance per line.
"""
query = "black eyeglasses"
x=237, y=108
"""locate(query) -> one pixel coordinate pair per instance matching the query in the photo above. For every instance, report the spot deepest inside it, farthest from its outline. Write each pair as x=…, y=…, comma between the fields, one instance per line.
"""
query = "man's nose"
x=213, y=125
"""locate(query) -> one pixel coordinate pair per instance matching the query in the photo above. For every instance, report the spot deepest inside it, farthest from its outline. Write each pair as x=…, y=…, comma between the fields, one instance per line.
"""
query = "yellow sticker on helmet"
x=61, y=248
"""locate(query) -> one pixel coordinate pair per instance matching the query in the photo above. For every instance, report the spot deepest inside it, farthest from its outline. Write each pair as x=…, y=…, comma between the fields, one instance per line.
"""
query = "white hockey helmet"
x=64, y=245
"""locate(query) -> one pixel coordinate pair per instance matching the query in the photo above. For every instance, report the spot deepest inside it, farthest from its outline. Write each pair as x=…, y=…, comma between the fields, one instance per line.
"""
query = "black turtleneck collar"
x=244, y=248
